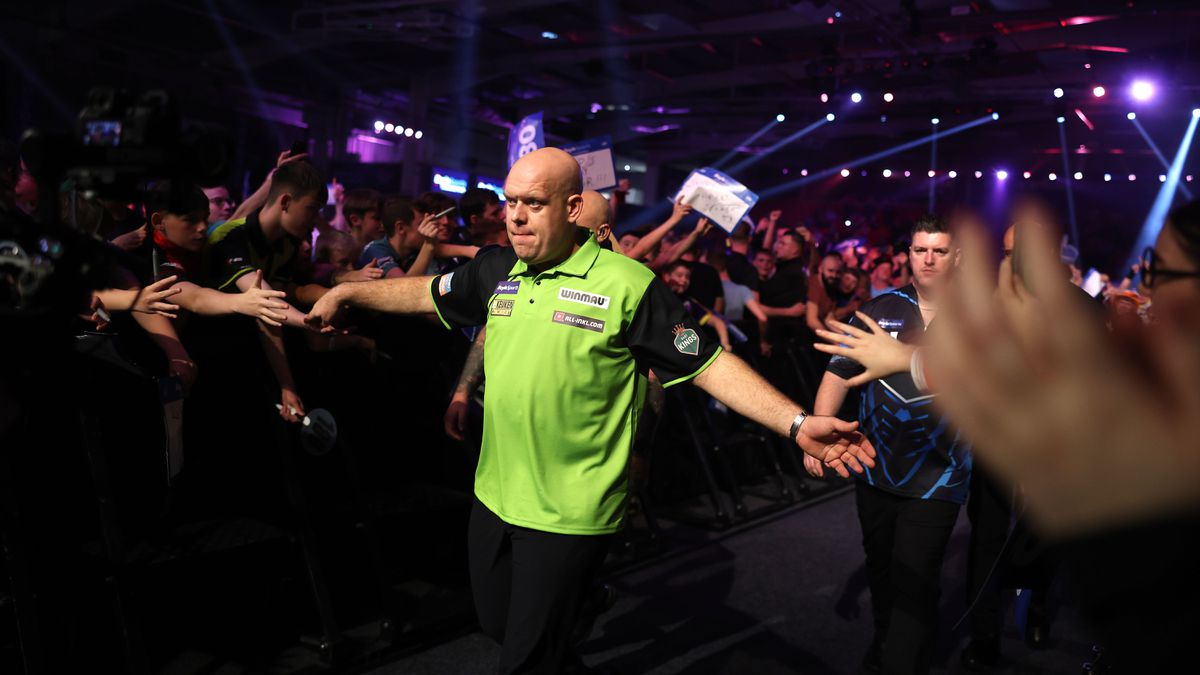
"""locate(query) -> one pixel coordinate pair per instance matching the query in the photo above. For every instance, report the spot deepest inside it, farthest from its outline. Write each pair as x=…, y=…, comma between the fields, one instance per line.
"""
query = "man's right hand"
x=456, y=416
x=325, y=312
x=429, y=228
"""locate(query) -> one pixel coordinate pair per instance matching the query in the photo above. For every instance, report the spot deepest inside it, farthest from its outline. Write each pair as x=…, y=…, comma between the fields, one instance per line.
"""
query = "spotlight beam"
x=783, y=188
x=753, y=137
x=1162, y=202
x=1062, y=141
x=750, y=161
x=1158, y=153
x=933, y=167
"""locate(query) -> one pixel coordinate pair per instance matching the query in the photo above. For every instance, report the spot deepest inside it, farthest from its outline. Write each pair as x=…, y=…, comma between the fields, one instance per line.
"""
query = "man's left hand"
x=836, y=443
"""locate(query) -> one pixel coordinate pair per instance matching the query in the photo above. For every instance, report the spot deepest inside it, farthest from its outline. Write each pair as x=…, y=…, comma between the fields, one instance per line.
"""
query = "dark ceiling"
x=674, y=83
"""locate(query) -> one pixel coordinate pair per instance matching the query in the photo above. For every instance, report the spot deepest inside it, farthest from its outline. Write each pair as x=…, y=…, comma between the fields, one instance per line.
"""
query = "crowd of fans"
x=767, y=290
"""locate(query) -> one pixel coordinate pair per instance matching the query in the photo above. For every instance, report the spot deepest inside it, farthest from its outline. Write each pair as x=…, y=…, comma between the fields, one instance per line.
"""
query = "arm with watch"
x=838, y=444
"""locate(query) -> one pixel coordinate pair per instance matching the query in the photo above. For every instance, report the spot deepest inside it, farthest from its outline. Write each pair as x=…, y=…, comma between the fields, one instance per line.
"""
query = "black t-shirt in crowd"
x=788, y=286
x=741, y=271
x=706, y=284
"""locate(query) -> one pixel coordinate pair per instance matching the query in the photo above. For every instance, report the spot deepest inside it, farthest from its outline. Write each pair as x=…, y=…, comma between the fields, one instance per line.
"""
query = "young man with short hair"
x=483, y=215
x=269, y=240
x=907, y=506
x=406, y=234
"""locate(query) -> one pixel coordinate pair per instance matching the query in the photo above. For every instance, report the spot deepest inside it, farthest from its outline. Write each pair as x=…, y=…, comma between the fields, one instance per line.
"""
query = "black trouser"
x=990, y=509
x=905, y=541
x=528, y=587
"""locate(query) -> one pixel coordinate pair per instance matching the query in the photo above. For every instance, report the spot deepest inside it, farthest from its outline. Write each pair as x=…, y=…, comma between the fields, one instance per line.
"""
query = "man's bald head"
x=543, y=205
x=553, y=166
x=595, y=214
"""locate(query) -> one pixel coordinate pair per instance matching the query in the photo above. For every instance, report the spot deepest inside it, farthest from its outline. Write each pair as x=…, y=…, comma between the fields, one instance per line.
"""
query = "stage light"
x=1087, y=66
x=829, y=20
x=887, y=173
x=1108, y=178
x=1189, y=179
x=847, y=222
x=378, y=125
x=1078, y=175
x=549, y=35
x=1131, y=116
x=1058, y=92
x=803, y=172
x=1162, y=178
x=907, y=174
x=1142, y=90
x=883, y=118
x=626, y=167
x=856, y=97
x=979, y=174
x=1001, y=175
x=780, y=117
x=932, y=173
x=1132, y=177
x=887, y=97
x=837, y=14
x=830, y=117
x=418, y=135
x=408, y=131
x=863, y=173
x=1098, y=91
x=785, y=171
x=935, y=121
x=995, y=116
x=953, y=174
x=824, y=98
x=1053, y=176
x=389, y=127
x=1061, y=119
x=1195, y=112
x=845, y=173
x=1027, y=175
x=399, y=129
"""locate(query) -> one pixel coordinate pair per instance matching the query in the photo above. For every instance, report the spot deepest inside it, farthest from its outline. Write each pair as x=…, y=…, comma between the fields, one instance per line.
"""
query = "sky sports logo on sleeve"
x=578, y=321
x=507, y=288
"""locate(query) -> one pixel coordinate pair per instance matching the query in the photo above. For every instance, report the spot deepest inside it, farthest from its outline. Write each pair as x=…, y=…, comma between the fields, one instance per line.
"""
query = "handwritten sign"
x=525, y=137
x=717, y=197
x=595, y=159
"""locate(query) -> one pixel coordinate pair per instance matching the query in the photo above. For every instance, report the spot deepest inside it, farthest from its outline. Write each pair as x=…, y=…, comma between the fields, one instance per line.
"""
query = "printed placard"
x=718, y=197
x=525, y=137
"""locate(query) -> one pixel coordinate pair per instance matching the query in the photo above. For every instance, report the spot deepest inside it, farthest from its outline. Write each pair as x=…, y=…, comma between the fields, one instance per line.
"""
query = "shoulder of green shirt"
x=224, y=229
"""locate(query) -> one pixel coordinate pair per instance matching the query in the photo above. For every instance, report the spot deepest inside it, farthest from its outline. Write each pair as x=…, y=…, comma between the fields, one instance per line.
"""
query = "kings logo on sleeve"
x=686, y=340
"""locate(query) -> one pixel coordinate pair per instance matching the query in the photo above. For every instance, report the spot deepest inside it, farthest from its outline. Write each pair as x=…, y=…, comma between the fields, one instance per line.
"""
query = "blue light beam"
x=862, y=161
x=747, y=163
x=1158, y=153
x=1162, y=203
x=1067, y=180
x=753, y=137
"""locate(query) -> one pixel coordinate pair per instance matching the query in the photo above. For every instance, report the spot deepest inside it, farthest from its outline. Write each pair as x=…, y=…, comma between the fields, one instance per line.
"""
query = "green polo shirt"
x=239, y=247
x=564, y=351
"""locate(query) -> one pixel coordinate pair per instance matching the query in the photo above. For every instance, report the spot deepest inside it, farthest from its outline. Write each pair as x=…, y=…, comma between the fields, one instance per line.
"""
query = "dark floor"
x=785, y=595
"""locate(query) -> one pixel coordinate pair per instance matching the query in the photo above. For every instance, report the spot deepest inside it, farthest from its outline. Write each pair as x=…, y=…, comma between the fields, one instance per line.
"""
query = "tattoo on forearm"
x=472, y=372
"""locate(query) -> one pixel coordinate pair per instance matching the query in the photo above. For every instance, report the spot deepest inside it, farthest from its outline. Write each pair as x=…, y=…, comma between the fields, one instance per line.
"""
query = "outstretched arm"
x=404, y=295
x=828, y=439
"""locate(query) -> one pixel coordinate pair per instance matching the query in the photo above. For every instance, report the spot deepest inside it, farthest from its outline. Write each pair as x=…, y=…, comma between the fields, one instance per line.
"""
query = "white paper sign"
x=718, y=197
x=595, y=159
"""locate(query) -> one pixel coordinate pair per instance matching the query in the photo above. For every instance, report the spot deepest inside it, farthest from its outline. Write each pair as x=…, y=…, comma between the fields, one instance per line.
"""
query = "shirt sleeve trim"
x=236, y=275
x=433, y=299
x=699, y=370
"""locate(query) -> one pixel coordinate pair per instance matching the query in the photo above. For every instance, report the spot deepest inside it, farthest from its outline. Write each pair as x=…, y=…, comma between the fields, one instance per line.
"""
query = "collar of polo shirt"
x=576, y=265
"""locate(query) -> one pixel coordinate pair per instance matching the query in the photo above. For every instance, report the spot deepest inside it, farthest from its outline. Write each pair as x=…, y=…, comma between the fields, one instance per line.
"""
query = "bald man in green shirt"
x=569, y=328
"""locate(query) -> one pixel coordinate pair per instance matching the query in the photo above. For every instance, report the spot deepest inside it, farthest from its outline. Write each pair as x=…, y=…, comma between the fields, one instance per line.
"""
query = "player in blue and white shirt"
x=908, y=503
